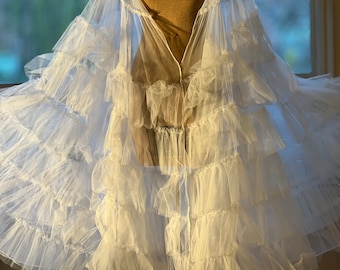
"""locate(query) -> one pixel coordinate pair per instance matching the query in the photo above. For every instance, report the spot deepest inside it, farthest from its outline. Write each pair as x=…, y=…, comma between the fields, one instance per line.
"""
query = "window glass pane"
x=32, y=27
x=288, y=24
x=29, y=28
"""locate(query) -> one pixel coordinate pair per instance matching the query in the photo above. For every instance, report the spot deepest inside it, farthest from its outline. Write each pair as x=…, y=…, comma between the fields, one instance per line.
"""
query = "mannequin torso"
x=175, y=19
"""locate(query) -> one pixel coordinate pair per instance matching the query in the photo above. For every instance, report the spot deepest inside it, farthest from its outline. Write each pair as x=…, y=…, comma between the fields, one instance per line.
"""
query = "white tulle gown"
x=116, y=156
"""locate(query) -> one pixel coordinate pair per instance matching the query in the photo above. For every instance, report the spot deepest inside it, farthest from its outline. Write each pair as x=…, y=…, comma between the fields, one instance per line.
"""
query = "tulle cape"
x=116, y=156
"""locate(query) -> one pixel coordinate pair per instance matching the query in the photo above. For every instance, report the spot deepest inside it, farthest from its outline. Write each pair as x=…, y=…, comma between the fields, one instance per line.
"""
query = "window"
x=32, y=27
x=301, y=32
x=288, y=25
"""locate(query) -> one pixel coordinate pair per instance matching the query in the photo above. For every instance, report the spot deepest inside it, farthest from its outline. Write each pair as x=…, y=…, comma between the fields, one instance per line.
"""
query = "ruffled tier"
x=251, y=221
x=34, y=247
x=213, y=167
x=50, y=141
x=45, y=167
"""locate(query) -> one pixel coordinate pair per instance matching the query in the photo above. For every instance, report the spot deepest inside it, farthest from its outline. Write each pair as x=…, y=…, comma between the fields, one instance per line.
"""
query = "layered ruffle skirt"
x=116, y=156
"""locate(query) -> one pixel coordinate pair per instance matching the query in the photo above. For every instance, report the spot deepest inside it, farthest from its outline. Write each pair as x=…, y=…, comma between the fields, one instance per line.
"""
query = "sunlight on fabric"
x=30, y=28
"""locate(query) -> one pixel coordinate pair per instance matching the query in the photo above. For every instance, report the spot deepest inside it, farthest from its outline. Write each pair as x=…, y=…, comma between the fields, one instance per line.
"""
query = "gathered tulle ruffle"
x=115, y=156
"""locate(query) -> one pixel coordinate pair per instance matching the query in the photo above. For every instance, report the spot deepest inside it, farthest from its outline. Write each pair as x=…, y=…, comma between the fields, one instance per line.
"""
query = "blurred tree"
x=32, y=27
x=288, y=24
x=37, y=24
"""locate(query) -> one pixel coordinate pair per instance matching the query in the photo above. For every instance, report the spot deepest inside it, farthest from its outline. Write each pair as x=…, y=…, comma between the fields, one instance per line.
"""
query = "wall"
x=336, y=13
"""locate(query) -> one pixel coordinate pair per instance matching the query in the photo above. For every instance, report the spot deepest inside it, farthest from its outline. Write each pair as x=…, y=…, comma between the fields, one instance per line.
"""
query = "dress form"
x=175, y=19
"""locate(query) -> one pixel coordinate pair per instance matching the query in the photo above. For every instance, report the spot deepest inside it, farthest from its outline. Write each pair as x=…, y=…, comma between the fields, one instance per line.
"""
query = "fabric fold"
x=117, y=156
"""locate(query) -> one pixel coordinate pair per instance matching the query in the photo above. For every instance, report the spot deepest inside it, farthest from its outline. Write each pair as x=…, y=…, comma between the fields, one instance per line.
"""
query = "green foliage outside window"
x=32, y=27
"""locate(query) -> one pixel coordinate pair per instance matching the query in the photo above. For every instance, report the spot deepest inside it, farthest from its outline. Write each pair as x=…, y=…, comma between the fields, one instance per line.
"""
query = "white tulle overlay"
x=116, y=156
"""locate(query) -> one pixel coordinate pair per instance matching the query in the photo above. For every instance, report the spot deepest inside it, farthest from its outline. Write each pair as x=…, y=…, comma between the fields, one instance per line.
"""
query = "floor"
x=330, y=261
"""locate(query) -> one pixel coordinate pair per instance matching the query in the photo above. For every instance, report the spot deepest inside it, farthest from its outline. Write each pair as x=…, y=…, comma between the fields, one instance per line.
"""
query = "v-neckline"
x=162, y=35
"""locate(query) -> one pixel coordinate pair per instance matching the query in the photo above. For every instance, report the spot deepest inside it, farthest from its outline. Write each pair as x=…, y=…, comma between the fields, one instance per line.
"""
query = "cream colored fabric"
x=116, y=156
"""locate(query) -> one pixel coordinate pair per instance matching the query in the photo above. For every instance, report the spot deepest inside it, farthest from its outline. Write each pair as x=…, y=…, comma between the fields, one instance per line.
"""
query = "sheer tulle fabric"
x=116, y=156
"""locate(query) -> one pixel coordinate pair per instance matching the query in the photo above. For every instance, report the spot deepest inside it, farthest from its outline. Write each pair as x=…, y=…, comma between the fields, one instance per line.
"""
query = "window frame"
x=5, y=85
x=322, y=40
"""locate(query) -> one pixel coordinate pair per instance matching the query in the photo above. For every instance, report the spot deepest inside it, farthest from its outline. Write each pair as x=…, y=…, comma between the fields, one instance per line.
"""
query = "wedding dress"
x=114, y=155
